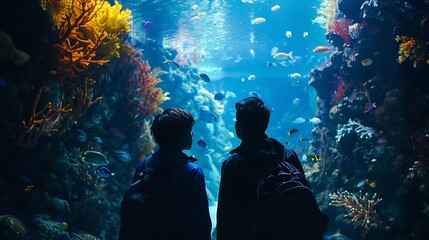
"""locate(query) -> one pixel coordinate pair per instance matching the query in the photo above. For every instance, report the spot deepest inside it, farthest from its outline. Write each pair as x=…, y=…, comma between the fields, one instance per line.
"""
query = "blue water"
x=226, y=35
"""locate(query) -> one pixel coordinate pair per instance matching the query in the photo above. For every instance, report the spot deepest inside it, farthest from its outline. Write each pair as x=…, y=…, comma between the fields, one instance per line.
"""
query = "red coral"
x=340, y=26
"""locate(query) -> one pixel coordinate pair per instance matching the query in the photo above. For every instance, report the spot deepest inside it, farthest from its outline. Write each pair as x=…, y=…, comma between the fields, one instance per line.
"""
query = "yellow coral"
x=329, y=9
x=413, y=49
x=115, y=22
x=57, y=9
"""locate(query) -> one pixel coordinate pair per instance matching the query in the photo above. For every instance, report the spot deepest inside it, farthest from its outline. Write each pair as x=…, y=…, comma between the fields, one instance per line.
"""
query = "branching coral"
x=361, y=209
x=412, y=48
x=41, y=121
x=145, y=98
x=58, y=10
x=352, y=126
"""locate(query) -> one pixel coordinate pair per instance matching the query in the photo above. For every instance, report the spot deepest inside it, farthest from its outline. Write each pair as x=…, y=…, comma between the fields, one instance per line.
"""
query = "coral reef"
x=352, y=126
x=361, y=209
x=412, y=48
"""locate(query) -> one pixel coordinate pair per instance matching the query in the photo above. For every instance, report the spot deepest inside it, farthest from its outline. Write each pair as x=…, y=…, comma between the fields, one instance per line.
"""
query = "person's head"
x=173, y=129
x=252, y=117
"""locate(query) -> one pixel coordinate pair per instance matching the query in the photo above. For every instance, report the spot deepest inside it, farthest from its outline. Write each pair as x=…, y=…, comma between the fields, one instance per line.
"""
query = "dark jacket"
x=188, y=198
x=237, y=194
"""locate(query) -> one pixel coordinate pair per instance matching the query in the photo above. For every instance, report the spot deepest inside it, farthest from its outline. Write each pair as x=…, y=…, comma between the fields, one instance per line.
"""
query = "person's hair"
x=253, y=115
x=170, y=125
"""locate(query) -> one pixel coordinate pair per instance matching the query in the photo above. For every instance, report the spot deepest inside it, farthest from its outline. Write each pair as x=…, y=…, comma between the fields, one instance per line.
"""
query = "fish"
x=361, y=183
x=282, y=55
x=315, y=158
x=207, y=116
x=203, y=54
x=201, y=143
x=104, y=172
x=292, y=131
x=315, y=120
x=368, y=107
x=94, y=158
x=305, y=34
x=287, y=143
x=254, y=94
x=258, y=20
x=122, y=155
x=204, y=77
x=288, y=34
x=322, y=49
x=80, y=136
x=303, y=140
x=147, y=25
x=219, y=96
x=274, y=50
x=298, y=120
x=252, y=52
x=296, y=101
x=96, y=140
x=366, y=62
x=271, y=64
x=173, y=63
x=275, y=8
x=251, y=77
x=294, y=75
x=319, y=20
x=372, y=183
x=295, y=83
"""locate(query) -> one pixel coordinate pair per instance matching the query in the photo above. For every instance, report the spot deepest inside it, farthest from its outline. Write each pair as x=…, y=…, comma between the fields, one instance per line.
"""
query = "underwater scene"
x=81, y=81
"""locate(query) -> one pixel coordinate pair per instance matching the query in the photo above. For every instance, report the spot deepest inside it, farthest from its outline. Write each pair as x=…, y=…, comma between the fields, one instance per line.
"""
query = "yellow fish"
x=315, y=158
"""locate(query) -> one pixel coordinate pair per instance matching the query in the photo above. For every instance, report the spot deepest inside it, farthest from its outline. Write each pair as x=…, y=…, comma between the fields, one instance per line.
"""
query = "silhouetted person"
x=174, y=193
x=242, y=213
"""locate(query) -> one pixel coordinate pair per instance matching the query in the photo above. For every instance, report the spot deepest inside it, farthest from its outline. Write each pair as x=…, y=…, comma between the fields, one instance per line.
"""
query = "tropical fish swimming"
x=282, y=55
x=94, y=158
x=258, y=20
x=204, y=77
x=172, y=63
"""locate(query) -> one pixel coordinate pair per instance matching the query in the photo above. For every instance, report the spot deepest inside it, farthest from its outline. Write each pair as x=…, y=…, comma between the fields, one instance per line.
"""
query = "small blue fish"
x=173, y=63
x=201, y=143
x=96, y=140
x=207, y=116
x=147, y=25
x=204, y=77
x=368, y=107
x=219, y=96
x=104, y=172
x=80, y=136
x=122, y=155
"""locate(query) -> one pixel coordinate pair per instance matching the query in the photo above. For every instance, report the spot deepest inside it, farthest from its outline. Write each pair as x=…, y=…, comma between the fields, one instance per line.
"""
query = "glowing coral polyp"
x=413, y=49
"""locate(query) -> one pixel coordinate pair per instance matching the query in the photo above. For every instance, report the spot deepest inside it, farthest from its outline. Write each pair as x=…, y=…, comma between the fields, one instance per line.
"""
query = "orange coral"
x=78, y=42
x=413, y=49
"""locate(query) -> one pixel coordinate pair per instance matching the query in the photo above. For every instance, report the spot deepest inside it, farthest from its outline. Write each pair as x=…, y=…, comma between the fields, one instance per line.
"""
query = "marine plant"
x=361, y=209
x=412, y=48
